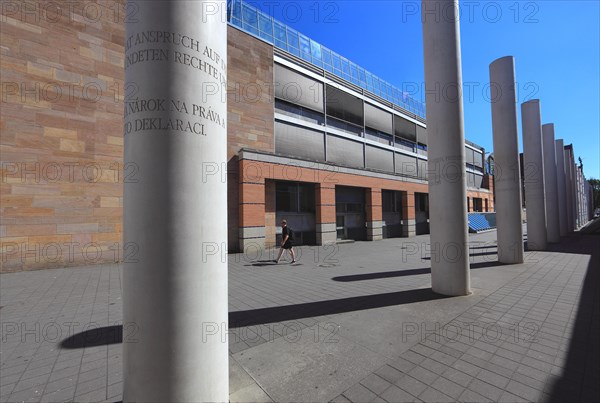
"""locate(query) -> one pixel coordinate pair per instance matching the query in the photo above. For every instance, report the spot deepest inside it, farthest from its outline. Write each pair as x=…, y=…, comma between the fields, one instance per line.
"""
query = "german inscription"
x=167, y=114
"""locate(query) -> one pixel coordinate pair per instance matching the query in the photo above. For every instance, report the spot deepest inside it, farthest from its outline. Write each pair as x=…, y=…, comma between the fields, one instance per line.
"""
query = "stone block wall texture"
x=250, y=110
x=62, y=139
x=62, y=130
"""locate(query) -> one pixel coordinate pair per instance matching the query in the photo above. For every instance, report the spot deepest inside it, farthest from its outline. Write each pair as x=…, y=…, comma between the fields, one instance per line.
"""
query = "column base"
x=251, y=238
x=374, y=230
x=409, y=228
x=326, y=234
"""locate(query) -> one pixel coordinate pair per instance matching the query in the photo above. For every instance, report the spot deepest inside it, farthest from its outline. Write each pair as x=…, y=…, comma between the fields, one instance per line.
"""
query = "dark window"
x=402, y=142
x=295, y=197
x=286, y=196
x=391, y=201
x=297, y=111
x=378, y=136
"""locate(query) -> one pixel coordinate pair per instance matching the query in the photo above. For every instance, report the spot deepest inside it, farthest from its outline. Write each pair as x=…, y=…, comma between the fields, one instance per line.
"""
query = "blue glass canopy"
x=256, y=22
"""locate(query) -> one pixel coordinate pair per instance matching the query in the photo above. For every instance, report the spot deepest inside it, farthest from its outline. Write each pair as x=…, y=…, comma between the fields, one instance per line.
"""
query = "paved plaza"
x=352, y=322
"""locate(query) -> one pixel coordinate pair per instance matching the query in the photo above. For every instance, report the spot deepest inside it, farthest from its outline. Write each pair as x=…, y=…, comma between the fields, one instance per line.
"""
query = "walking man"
x=287, y=238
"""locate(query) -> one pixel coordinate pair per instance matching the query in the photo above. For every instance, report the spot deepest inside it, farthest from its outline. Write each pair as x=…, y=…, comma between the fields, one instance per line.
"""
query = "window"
x=362, y=77
x=315, y=50
x=405, y=144
x=391, y=201
x=250, y=19
x=378, y=136
x=292, y=37
x=328, y=63
x=295, y=197
x=305, y=48
x=280, y=36
x=337, y=65
x=346, y=69
x=266, y=27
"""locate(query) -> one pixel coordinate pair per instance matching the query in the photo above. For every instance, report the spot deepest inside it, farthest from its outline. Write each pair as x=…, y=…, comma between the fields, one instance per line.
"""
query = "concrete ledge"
x=252, y=244
x=374, y=230
x=326, y=227
x=409, y=228
x=251, y=232
x=326, y=238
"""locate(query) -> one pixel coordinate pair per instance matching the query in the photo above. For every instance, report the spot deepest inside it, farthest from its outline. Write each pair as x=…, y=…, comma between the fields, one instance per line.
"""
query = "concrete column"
x=561, y=187
x=581, y=193
x=570, y=194
x=175, y=210
x=578, y=194
x=446, y=148
x=506, y=161
x=590, y=200
x=550, y=184
x=577, y=198
x=325, y=216
x=533, y=161
x=374, y=215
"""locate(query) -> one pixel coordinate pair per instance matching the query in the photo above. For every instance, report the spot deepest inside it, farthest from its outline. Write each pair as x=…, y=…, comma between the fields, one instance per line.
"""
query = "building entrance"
x=421, y=213
x=350, y=213
x=392, y=213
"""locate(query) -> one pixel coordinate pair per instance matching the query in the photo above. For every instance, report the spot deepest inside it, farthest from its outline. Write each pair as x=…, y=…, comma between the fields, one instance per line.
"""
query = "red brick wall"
x=270, y=213
x=325, y=195
x=61, y=144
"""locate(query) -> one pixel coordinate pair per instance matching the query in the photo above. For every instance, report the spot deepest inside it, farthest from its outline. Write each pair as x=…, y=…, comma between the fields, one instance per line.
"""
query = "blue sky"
x=556, y=45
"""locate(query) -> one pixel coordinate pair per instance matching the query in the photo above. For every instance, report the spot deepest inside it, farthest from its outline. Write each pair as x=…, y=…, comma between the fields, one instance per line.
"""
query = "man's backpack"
x=290, y=234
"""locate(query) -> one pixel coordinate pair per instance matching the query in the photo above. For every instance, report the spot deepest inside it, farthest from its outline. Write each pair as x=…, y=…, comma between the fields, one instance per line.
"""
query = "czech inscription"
x=191, y=53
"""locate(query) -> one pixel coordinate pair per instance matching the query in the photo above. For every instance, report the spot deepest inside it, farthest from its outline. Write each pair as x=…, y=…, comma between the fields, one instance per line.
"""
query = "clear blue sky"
x=556, y=45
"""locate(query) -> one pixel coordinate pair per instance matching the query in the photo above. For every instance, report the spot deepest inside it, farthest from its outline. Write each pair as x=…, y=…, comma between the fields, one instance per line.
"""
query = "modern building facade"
x=347, y=156
x=312, y=138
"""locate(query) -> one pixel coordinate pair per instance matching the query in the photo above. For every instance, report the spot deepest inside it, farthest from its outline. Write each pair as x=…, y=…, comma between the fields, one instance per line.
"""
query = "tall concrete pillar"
x=506, y=161
x=175, y=210
x=575, y=194
x=578, y=194
x=550, y=184
x=446, y=148
x=533, y=161
x=561, y=187
x=569, y=190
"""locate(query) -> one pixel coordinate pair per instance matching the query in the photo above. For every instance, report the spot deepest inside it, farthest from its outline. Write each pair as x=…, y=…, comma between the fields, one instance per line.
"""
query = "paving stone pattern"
x=355, y=322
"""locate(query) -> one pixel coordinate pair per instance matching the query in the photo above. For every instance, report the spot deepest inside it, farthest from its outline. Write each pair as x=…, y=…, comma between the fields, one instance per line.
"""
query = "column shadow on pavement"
x=330, y=307
x=407, y=272
x=581, y=369
x=114, y=334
